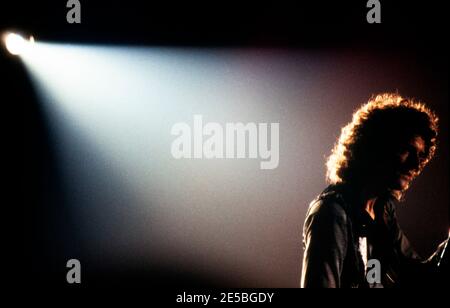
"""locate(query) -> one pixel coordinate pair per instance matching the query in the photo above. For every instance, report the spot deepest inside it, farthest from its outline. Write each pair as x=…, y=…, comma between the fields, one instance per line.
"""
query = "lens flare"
x=16, y=44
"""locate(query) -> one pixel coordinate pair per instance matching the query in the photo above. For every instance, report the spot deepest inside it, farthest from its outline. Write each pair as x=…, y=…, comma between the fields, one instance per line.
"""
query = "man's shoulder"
x=328, y=203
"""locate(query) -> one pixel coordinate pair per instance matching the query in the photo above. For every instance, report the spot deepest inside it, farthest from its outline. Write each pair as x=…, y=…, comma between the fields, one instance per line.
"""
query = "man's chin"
x=400, y=185
x=399, y=189
x=397, y=194
x=396, y=187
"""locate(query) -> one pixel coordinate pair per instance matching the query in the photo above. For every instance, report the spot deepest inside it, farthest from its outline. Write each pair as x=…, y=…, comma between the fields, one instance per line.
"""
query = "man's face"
x=406, y=163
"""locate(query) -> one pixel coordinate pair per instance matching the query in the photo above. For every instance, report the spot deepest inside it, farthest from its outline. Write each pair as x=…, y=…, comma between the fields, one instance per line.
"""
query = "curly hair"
x=376, y=127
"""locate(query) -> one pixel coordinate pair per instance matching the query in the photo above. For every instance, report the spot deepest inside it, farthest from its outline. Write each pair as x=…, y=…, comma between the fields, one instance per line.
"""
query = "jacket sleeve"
x=401, y=242
x=414, y=270
x=325, y=241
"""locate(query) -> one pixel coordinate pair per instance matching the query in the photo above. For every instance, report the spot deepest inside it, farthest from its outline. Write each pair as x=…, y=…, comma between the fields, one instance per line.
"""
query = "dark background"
x=411, y=38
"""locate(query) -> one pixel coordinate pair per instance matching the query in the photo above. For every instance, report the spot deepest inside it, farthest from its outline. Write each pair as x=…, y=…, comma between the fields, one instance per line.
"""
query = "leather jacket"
x=333, y=227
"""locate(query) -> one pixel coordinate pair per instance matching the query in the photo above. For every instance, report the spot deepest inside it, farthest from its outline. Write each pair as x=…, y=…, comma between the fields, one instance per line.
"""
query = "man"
x=385, y=146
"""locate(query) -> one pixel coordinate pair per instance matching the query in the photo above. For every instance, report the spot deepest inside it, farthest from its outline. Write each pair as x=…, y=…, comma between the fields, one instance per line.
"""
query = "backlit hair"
x=375, y=129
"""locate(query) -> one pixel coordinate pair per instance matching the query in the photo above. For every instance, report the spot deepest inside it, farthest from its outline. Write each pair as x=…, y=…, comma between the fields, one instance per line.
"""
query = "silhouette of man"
x=378, y=154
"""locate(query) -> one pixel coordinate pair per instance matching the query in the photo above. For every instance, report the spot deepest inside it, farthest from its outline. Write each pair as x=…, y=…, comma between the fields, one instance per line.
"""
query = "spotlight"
x=16, y=44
